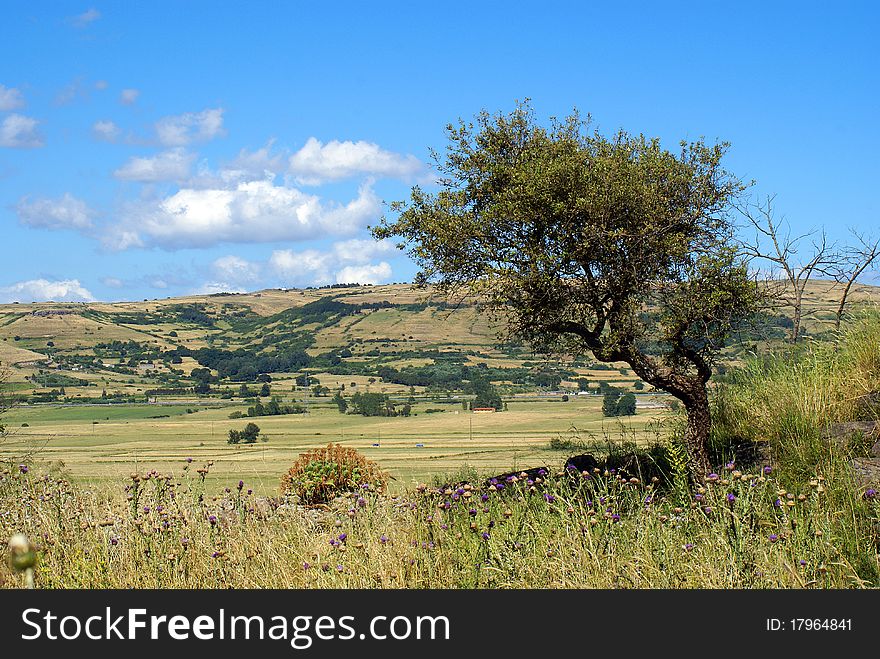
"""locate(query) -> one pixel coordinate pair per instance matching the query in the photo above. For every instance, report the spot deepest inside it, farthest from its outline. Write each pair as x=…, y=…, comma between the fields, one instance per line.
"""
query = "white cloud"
x=129, y=96
x=364, y=274
x=86, y=18
x=10, y=98
x=101, y=85
x=316, y=162
x=308, y=267
x=255, y=211
x=214, y=287
x=106, y=131
x=20, y=132
x=346, y=262
x=171, y=165
x=184, y=129
x=112, y=282
x=361, y=251
x=235, y=269
x=68, y=212
x=42, y=290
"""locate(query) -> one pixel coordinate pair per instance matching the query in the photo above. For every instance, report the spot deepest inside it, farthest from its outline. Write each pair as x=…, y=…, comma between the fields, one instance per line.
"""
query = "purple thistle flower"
x=485, y=535
x=306, y=566
x=500, y=486
x=729, y=466
x=339, y=568
x=484, y=498
x=712, y=477
x=334, y=542
x=146, y=509
x=777, y=503
x=227, y=490
x=383, y=538
x=215, y=554
x=731, y=497
x=615, y=517
x=802, y=562
x=23, y=469
x=530, y=482
x=870, y=493
x=361, y=502
x=767, y=470
x=445, y=527
x=689, y=546
x=494, y=481
x=342, y=537
x=212, y=519
x=472, y=512
x=773, y=537
x=698, y=497
x=549, y=498
x=542, y=472
x=240, y=485
x=189, y=460
x=114, y=541
x=250, y=492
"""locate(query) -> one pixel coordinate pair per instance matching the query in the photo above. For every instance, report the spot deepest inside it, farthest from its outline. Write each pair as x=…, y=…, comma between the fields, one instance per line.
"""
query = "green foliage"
x=249, y=435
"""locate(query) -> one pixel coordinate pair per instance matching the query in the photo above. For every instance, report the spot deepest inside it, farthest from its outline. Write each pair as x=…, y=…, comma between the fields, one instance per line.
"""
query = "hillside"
x=333, y=333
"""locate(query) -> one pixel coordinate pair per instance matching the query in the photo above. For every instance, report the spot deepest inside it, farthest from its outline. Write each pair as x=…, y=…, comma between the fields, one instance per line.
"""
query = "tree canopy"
x=586, y=243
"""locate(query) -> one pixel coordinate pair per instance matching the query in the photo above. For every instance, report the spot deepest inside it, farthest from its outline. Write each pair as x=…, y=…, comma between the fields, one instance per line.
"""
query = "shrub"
x=321, y=474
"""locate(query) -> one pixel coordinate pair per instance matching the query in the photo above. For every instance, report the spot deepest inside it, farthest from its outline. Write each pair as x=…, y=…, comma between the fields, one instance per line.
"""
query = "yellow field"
x=103, y=444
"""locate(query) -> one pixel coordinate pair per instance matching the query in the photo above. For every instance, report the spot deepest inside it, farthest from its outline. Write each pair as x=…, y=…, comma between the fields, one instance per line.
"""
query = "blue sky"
x=165, y=148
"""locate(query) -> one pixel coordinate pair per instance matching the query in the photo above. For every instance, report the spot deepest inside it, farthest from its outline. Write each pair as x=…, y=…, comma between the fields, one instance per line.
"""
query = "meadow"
x=98, y=445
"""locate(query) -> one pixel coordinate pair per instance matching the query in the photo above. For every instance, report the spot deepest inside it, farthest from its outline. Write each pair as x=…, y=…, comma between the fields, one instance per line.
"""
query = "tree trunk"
x=696, y=434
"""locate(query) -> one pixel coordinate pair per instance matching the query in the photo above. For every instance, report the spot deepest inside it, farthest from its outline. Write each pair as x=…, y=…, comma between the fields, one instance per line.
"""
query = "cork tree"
x=587, y=244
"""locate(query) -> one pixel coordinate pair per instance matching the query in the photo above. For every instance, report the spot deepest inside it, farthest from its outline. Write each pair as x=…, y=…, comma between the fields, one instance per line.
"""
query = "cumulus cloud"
x=20, y=132
x=364, y=274
x=112, y=282
x=254, y=211
x=10, y=98
x=214, y=287
x=171, y=165
x=235, y=269
x=184, y=129
x=344, y=263
x=106, y=131
x=42, y=290
x=316, y=162
x=129, y=96
x=85, y=19
x=101, y=85
x=68, y=212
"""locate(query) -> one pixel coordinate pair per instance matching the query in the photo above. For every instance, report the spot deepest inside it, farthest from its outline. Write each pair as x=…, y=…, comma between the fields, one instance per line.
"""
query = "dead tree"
x=774, y=244
x=854, y=261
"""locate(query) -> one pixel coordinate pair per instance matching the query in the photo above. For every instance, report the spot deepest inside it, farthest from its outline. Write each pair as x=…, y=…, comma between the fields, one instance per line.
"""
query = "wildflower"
x=712, y=477
x=484, y=498
x=485, y=535
x=802, y=562
x=615, y=518
x=698, y=497
x=777, y=503
x=767, y=469
x=185, y=542
x=383, y=538
x=444, y=527
x=870, y=493
x=114, y=540
x=731, y=497
x=549, y=498
x=361, y=502
x=306, y=566
x=342, y=537
x=729, y=466
x=23, y=469
x=773, y=537
x=339, y=568
x=472, y=512
x=227, y=490
x=212, y=519
x=146, y=509
x=250, y=492
x=689, y=546
x=189, y=461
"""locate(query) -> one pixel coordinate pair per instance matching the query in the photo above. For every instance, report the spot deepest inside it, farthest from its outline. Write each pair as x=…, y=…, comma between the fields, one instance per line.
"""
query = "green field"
x=104, y=444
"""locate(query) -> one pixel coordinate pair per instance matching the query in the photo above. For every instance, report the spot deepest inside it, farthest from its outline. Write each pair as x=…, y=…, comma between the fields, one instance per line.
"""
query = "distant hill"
x=392, y=333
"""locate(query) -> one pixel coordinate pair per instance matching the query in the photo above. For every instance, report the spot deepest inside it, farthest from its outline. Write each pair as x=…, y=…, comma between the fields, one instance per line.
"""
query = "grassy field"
x=104, y=443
